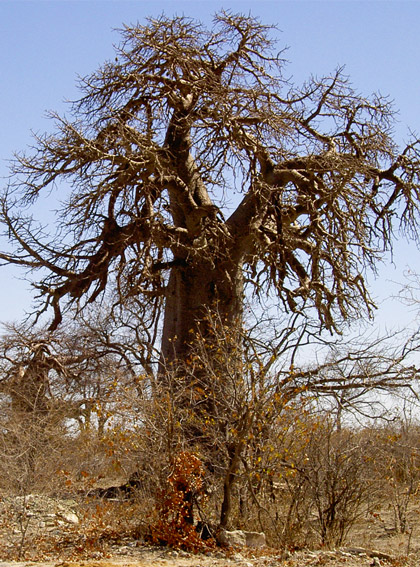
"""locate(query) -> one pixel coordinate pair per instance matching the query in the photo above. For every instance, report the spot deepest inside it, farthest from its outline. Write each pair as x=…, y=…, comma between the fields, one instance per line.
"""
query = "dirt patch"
x=145, y=556
x=53, y=533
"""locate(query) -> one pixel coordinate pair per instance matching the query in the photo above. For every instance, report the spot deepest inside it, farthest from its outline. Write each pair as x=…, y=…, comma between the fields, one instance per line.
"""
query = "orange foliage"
x=175, y=526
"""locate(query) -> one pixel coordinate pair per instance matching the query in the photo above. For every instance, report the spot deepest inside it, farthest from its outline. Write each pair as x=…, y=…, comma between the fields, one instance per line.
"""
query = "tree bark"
x=193, y=291
x=229, y=480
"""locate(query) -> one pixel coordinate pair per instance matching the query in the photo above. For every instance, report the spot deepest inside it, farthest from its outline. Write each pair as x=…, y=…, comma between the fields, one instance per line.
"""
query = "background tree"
x=197, y=172
x=64, y=393
x=398, y=469
x=32, y=422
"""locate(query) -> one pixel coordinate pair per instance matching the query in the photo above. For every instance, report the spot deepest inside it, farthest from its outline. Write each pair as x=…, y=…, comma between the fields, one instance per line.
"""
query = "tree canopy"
x=191, y=170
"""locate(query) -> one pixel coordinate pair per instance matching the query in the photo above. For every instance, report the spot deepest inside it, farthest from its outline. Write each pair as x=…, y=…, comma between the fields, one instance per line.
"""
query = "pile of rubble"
x=34, y=512
x=23, y=518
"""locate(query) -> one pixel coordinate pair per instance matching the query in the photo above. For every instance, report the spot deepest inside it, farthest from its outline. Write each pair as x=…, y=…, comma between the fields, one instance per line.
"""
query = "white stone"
x=69, y=517
x=240, y=538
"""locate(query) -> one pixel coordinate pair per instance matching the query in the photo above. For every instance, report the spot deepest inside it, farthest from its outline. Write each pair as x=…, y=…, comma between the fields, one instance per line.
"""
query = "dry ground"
x=48, y=537
x=152, y=557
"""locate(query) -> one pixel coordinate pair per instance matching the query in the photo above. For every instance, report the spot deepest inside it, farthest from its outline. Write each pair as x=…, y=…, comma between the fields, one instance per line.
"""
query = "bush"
x=175, y=507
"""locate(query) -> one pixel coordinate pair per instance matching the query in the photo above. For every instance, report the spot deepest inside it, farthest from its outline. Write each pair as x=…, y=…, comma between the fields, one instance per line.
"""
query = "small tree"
x=336, y=481
x=184, y=486
x=398, y=468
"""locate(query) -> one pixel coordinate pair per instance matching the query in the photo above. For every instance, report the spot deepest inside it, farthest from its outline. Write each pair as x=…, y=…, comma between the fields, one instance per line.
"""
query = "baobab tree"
x=196, y=172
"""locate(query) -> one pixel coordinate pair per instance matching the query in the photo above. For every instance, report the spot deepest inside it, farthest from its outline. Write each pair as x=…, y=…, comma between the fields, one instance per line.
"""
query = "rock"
x=234, y=538
x=69, y=517
x=38, y=512
x=124, y=491
x=240, y=559
x=255, y=539
x=240, y=538
x=369, y=553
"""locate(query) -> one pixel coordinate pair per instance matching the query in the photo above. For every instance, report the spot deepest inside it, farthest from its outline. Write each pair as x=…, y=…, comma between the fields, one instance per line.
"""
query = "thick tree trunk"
x=192, y=292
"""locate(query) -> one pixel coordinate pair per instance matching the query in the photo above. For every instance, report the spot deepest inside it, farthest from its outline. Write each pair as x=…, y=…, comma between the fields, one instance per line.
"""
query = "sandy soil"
x=155, y=557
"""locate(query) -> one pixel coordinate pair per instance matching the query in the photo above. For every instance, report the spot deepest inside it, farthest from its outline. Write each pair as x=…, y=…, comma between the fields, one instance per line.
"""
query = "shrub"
x=175, y=507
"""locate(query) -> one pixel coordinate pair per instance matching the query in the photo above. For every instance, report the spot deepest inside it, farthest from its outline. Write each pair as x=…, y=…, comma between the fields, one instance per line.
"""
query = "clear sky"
x=45, y=44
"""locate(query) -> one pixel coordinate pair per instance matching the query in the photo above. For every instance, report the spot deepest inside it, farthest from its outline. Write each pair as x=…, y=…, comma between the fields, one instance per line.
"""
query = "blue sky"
x=45, y=44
